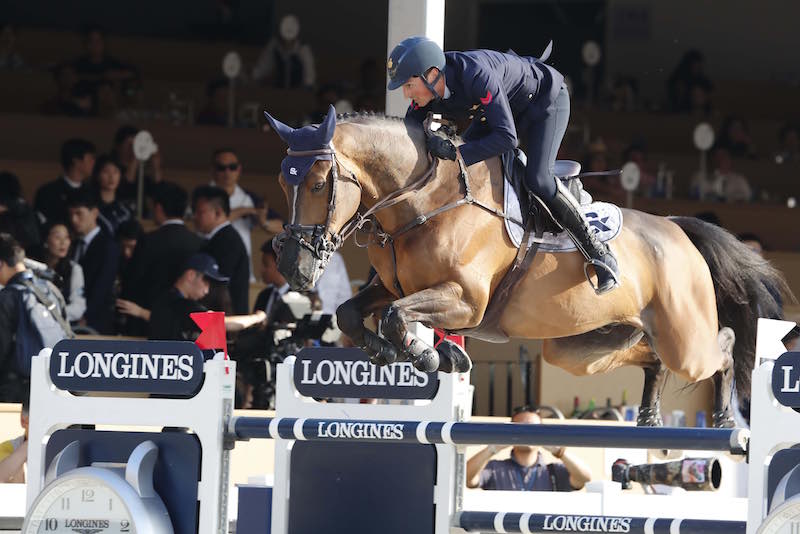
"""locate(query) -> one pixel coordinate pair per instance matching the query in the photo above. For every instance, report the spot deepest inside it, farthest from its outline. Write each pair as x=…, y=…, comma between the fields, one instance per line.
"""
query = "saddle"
x=519, y=204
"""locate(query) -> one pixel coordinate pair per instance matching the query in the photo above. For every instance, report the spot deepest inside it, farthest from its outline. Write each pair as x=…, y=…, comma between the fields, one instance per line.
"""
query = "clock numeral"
x=795, y=526
x=110, y=504
x=87, y=495
x=65, y=503
x=50, y=524
x=125, y=525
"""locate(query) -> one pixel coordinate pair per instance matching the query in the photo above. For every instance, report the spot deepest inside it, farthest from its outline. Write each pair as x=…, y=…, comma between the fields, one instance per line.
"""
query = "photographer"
x=32, y=316
x=169, y=319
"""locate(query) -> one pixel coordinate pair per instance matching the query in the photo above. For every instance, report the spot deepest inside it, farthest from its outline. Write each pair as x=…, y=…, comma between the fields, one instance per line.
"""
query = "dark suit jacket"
x=156, y=262
x=51, y=200
x=100, y=264
x=228, y=249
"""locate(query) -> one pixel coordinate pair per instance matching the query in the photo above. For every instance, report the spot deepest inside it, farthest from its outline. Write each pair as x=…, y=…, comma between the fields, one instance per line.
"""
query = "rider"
x=501, y=94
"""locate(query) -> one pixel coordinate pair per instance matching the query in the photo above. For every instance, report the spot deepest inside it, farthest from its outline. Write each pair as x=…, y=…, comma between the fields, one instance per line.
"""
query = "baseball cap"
x=205, y=264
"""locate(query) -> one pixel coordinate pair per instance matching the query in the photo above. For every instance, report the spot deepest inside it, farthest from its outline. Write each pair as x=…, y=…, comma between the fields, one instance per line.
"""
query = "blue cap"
x=206, y=265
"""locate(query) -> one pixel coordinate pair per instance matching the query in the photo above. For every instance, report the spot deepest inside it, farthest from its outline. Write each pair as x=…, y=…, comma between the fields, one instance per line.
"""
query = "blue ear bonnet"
x=312, y=137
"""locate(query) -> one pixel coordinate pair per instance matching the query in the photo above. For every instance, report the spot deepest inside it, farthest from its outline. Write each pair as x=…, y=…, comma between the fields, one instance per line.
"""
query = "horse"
x=688, y=302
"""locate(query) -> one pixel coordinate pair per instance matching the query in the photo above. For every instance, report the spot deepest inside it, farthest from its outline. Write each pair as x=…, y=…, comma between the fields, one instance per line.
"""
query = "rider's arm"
x=499, y=120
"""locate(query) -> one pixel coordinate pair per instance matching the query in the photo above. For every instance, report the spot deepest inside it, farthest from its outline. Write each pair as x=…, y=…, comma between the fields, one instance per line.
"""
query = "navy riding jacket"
x=500, y=93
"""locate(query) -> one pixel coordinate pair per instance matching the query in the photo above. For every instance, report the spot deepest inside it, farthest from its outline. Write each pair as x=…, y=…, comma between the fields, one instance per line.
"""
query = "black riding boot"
x=567, y=213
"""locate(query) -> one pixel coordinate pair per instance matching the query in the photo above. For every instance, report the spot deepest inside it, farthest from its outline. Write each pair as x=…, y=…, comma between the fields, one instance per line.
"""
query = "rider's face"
x=416, y=90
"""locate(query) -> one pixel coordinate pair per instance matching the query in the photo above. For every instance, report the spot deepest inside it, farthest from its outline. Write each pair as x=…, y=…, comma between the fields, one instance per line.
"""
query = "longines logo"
x=167, y=367
x=87, y=526
x=347, y=373
x=338, y=429
x=122, y=365
x=362, y=373
x=578, y=523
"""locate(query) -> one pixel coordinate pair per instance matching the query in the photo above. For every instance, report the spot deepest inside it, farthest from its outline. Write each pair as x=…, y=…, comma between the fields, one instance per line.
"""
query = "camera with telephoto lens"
x=691, y=474
x=293, y=324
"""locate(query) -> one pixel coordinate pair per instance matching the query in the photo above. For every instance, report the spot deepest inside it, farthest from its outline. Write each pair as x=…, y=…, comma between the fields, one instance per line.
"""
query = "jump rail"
x=733, y=441
x=541, y=523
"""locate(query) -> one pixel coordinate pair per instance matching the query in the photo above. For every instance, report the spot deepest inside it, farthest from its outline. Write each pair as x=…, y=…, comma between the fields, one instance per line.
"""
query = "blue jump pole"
x=733, y=441
x=545, y=523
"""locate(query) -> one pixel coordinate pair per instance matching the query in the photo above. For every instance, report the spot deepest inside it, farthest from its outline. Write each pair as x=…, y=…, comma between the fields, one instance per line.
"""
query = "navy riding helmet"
x=414, y=56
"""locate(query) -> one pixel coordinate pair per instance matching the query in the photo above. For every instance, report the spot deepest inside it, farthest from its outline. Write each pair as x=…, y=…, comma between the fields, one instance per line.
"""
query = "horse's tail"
x=747, y=287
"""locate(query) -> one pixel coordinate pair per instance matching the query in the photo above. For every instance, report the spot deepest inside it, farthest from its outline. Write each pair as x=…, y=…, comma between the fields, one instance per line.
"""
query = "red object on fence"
x=441, y=335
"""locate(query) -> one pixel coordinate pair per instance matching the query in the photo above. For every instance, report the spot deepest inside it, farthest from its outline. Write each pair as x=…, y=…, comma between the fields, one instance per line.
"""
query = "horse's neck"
x=394, y=163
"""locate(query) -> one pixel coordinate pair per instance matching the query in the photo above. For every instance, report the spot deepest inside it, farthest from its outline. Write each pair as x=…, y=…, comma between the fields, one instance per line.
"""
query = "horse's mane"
x=373, y=118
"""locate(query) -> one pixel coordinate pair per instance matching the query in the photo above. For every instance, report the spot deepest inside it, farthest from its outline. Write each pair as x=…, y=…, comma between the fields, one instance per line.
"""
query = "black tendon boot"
x=567, y=213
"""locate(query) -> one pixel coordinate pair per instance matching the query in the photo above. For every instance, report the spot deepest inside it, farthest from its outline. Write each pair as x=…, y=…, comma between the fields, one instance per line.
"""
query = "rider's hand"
x=441, y=147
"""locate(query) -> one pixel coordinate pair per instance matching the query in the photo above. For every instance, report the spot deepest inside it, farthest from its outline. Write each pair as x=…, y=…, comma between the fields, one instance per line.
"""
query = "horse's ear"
x=328, y=126
x=283, y=131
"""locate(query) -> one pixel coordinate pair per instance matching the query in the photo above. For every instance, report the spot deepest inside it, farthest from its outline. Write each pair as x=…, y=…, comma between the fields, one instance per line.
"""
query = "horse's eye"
x=319, y=186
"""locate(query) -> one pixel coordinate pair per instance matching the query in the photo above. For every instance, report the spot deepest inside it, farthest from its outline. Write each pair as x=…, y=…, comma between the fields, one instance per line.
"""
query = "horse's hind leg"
x=440, y=305
x=723, y=382
x=350, y=319
x=655, y=377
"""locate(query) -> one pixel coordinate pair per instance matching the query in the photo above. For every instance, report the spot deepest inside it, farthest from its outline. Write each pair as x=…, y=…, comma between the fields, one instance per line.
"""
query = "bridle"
x=318, y=238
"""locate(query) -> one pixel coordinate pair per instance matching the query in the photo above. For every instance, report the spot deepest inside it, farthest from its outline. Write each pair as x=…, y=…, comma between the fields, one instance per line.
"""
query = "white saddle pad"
x=606, y=219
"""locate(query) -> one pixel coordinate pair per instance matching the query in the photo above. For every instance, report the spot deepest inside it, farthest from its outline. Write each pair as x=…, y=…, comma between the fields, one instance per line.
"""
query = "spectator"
x=327, y=95
x=625, y=94
x=32, y=316
x=10, y=59
x=526, y=469
x=688, y=88
x=725, y=184
x=216, y=111
x=789, y=149
x=285, y=61
x=128, y=236
x=98, y=255
x=14, y=452
x=735, y=136
x=596, y=160
x=77, y=160
x=16, y=216
x=71, y=283
x=211, y=211
x=247, y=210
x=169, y=318
x=160, y=254
x=333, y=287
x=170, y=314
x=276, y=283
x=372, y=95
x=65, y=101
x=105, y=183
x=96, y=65
x=637, y=153
x=122, y=153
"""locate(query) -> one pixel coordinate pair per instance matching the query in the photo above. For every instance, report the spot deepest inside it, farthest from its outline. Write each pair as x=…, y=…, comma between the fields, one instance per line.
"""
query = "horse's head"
x=322, y=197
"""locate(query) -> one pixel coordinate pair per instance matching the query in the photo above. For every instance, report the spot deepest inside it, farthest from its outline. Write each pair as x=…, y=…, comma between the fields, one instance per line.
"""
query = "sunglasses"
x=220, y=167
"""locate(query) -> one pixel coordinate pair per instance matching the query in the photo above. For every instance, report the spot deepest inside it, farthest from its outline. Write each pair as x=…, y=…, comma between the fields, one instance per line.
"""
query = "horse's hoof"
x=453, y=358
x=427, y=361
x=723, y=419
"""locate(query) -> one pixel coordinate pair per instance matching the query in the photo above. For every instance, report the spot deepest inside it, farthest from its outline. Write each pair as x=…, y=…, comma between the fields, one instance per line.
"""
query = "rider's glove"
x=441, y=147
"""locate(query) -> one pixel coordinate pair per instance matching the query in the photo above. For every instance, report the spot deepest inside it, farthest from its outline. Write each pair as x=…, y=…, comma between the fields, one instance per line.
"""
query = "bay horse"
x=441, y=252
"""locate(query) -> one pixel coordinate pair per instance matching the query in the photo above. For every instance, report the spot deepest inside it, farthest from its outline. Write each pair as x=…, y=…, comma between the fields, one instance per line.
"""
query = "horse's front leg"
x=441, y=306
x=350, y=319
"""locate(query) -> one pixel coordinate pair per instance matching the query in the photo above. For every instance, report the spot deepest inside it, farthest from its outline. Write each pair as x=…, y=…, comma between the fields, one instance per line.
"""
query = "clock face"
x=82, y=505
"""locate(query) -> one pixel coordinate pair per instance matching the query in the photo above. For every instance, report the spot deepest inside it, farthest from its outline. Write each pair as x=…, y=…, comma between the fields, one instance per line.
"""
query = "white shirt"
x=243, y=225
x=172, y=221
x=333, y=286
x=76, y=301
x=73, y=185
